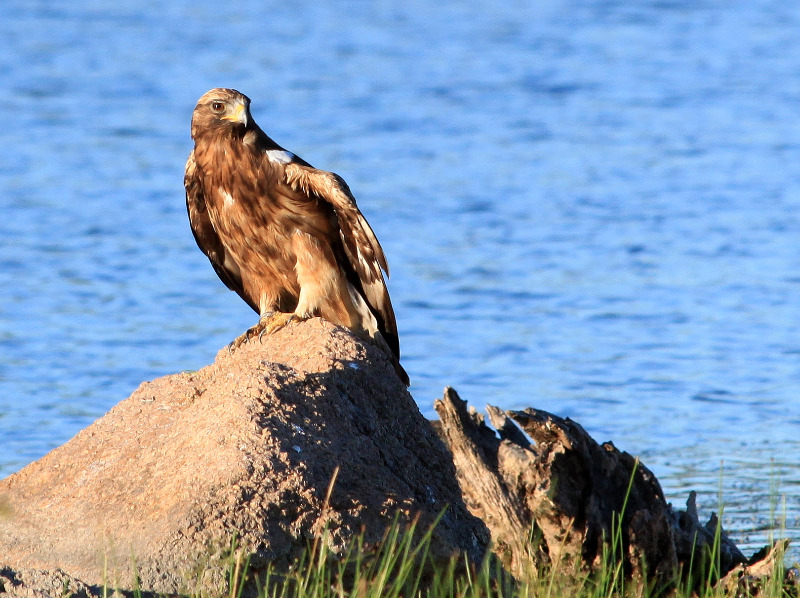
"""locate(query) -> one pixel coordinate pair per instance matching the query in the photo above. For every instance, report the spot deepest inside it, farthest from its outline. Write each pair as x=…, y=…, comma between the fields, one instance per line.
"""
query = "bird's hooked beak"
x=239, y=115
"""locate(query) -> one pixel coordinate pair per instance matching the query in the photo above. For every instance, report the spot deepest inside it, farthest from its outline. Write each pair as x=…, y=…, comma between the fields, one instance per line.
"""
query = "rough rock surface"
x=245, y=447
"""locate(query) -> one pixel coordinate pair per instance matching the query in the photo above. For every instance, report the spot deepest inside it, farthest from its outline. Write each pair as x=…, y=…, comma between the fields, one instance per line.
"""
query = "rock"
x=245, y=448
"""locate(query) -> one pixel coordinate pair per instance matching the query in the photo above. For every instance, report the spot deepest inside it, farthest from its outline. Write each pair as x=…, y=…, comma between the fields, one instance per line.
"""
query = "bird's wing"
x=206, y=236
x=361, y=247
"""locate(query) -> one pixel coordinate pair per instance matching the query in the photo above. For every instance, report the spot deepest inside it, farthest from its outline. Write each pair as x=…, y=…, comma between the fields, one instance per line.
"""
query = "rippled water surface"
x=589, y=207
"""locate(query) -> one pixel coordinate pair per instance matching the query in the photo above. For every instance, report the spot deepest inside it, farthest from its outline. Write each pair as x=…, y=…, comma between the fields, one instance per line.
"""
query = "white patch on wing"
x=227, y=198
x=280, y=156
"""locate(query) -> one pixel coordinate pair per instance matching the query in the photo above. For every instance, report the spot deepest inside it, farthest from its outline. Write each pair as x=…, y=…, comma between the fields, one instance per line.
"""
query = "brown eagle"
x=288, y=238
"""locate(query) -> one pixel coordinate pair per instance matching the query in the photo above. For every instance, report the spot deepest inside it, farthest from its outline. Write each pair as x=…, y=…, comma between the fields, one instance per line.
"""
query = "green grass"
x=401, y=566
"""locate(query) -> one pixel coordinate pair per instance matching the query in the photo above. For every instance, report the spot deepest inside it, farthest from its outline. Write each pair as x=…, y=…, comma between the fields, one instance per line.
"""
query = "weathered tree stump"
x=547, y=490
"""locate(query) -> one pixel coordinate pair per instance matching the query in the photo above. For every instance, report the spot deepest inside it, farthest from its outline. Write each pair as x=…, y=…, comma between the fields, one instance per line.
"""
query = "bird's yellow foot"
x=268, y=324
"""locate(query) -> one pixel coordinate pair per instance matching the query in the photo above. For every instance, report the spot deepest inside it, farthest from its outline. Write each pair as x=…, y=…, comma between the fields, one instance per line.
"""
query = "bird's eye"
x=217, y=106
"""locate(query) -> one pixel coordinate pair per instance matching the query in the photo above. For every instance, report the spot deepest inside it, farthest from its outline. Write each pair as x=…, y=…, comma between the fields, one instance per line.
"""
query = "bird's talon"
x=266, y=325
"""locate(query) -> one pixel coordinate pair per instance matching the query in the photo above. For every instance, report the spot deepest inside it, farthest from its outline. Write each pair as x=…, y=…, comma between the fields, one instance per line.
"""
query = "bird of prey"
x=287, y=237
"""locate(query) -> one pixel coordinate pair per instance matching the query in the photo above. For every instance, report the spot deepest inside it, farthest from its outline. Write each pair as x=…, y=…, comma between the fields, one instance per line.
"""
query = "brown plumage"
x=288, y=238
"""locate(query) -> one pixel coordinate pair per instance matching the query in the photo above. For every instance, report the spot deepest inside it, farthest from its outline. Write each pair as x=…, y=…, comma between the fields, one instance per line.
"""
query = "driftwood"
x=547, y=490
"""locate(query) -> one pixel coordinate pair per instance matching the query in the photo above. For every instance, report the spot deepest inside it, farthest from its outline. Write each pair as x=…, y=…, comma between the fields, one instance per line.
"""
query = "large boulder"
x=245, y=448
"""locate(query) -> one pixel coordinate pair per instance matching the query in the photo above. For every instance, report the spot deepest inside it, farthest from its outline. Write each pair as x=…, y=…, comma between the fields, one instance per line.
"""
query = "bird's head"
x=221, y=109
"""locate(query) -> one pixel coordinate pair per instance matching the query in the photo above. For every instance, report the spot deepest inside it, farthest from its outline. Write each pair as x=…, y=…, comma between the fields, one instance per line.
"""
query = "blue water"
x=589, y=207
